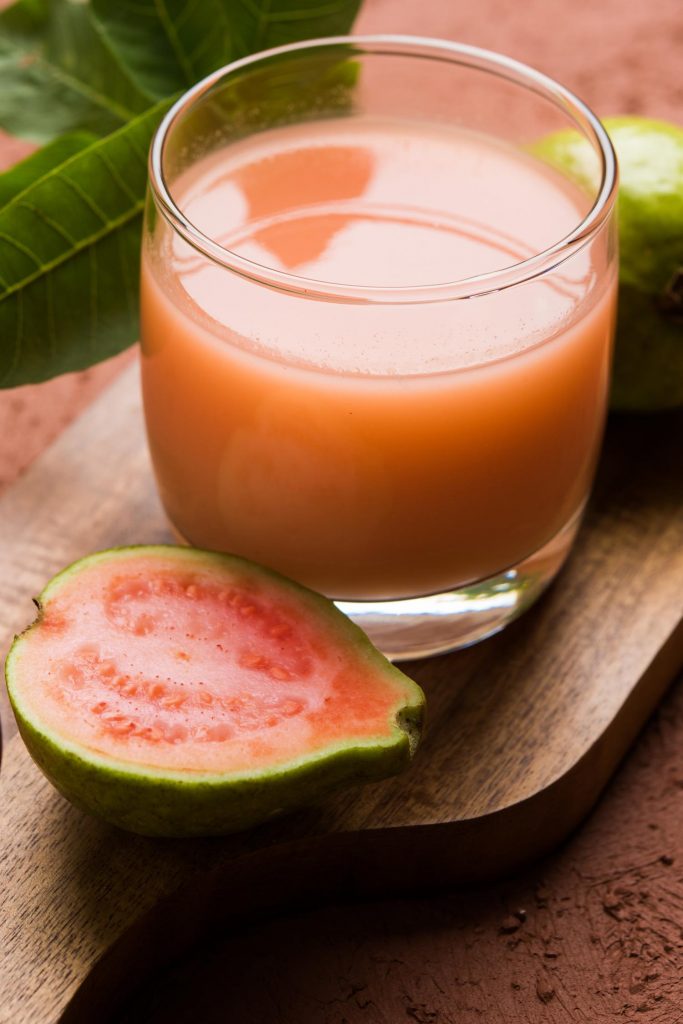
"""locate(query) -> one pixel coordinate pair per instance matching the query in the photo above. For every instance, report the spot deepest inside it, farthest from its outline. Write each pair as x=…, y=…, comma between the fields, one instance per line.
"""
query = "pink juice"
x=374, y=449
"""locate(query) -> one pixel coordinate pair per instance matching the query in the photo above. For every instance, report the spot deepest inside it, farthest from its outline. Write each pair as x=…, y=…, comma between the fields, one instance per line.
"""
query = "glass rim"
x=406, y=46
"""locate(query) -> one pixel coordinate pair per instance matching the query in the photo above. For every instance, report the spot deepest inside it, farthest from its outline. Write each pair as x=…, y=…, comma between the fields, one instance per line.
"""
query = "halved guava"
x=178, y=692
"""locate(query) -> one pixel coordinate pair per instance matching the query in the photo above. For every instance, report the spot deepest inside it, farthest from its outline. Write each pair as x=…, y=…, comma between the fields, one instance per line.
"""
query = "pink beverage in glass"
x=397, y=445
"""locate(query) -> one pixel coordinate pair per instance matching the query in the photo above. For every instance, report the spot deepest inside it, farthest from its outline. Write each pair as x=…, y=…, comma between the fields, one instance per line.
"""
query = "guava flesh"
x=178, y=692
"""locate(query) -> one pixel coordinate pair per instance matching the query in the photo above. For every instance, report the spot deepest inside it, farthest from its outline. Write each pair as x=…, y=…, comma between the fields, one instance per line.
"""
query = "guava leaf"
x=69, y=255
x=33, y=167
x=170, y=44
x=58, y=72
x=259, y=24
x=70, y=214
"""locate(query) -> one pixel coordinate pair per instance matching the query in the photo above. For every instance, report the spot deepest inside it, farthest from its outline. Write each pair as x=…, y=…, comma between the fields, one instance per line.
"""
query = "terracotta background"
x=596, y=932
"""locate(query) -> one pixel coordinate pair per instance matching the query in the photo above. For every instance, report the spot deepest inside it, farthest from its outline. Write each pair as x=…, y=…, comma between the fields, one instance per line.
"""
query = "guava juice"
x=376, y=446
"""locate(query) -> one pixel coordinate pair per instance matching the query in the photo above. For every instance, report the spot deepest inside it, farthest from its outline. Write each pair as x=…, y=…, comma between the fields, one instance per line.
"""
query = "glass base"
x=418, y=627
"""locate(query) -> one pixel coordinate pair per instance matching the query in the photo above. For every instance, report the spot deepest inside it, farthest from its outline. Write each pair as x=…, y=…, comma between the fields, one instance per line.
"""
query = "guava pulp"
x=178, y=692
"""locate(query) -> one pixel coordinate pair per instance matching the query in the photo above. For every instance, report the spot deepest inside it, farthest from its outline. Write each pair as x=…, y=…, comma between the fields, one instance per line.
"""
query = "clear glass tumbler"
x=377, y=315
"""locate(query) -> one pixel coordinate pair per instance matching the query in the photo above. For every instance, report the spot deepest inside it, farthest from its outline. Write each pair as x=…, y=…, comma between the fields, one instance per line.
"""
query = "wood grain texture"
x=524, y=729
x=590, y=934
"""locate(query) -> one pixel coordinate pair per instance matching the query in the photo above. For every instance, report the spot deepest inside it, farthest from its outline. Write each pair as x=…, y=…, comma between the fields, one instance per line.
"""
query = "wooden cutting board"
x=524, y=731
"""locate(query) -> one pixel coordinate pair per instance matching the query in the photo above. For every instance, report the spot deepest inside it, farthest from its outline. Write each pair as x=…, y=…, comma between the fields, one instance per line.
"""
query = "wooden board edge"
x=373, y=863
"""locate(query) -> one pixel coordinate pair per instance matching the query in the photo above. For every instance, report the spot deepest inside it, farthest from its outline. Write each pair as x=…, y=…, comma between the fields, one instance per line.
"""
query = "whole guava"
x=648, y=359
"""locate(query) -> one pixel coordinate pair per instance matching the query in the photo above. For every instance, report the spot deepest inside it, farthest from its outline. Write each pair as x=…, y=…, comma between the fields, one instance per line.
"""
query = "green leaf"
x=171, y=44
x=261, y=24
x=168, y=44
x=28, y=171
x=69, y=255
x=70, y=223
x=59, y=73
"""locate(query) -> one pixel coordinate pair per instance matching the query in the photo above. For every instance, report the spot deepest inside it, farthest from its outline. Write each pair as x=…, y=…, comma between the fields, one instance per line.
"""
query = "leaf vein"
x=203, y=45
x=251, y=7
x=302, y=15
x=85, y=198
x=45, y=268
x=141, y=154
x=172, y=36
x=264, y=18
x=46, y=219
x=99, y=99
x=113, y=170
x=20, y=247
x=186, y=13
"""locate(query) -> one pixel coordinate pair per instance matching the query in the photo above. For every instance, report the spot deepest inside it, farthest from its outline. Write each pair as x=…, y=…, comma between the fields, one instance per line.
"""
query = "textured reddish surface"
x=591, y=935
x=602, y=935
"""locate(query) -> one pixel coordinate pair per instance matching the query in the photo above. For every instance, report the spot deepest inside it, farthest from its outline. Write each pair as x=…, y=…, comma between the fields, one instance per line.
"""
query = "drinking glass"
x=377, y=315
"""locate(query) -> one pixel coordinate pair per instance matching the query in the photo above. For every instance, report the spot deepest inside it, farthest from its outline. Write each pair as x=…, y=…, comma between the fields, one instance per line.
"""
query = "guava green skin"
x=648, y=368
x=164, y=806
x=648, y=357
x=178, y=804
